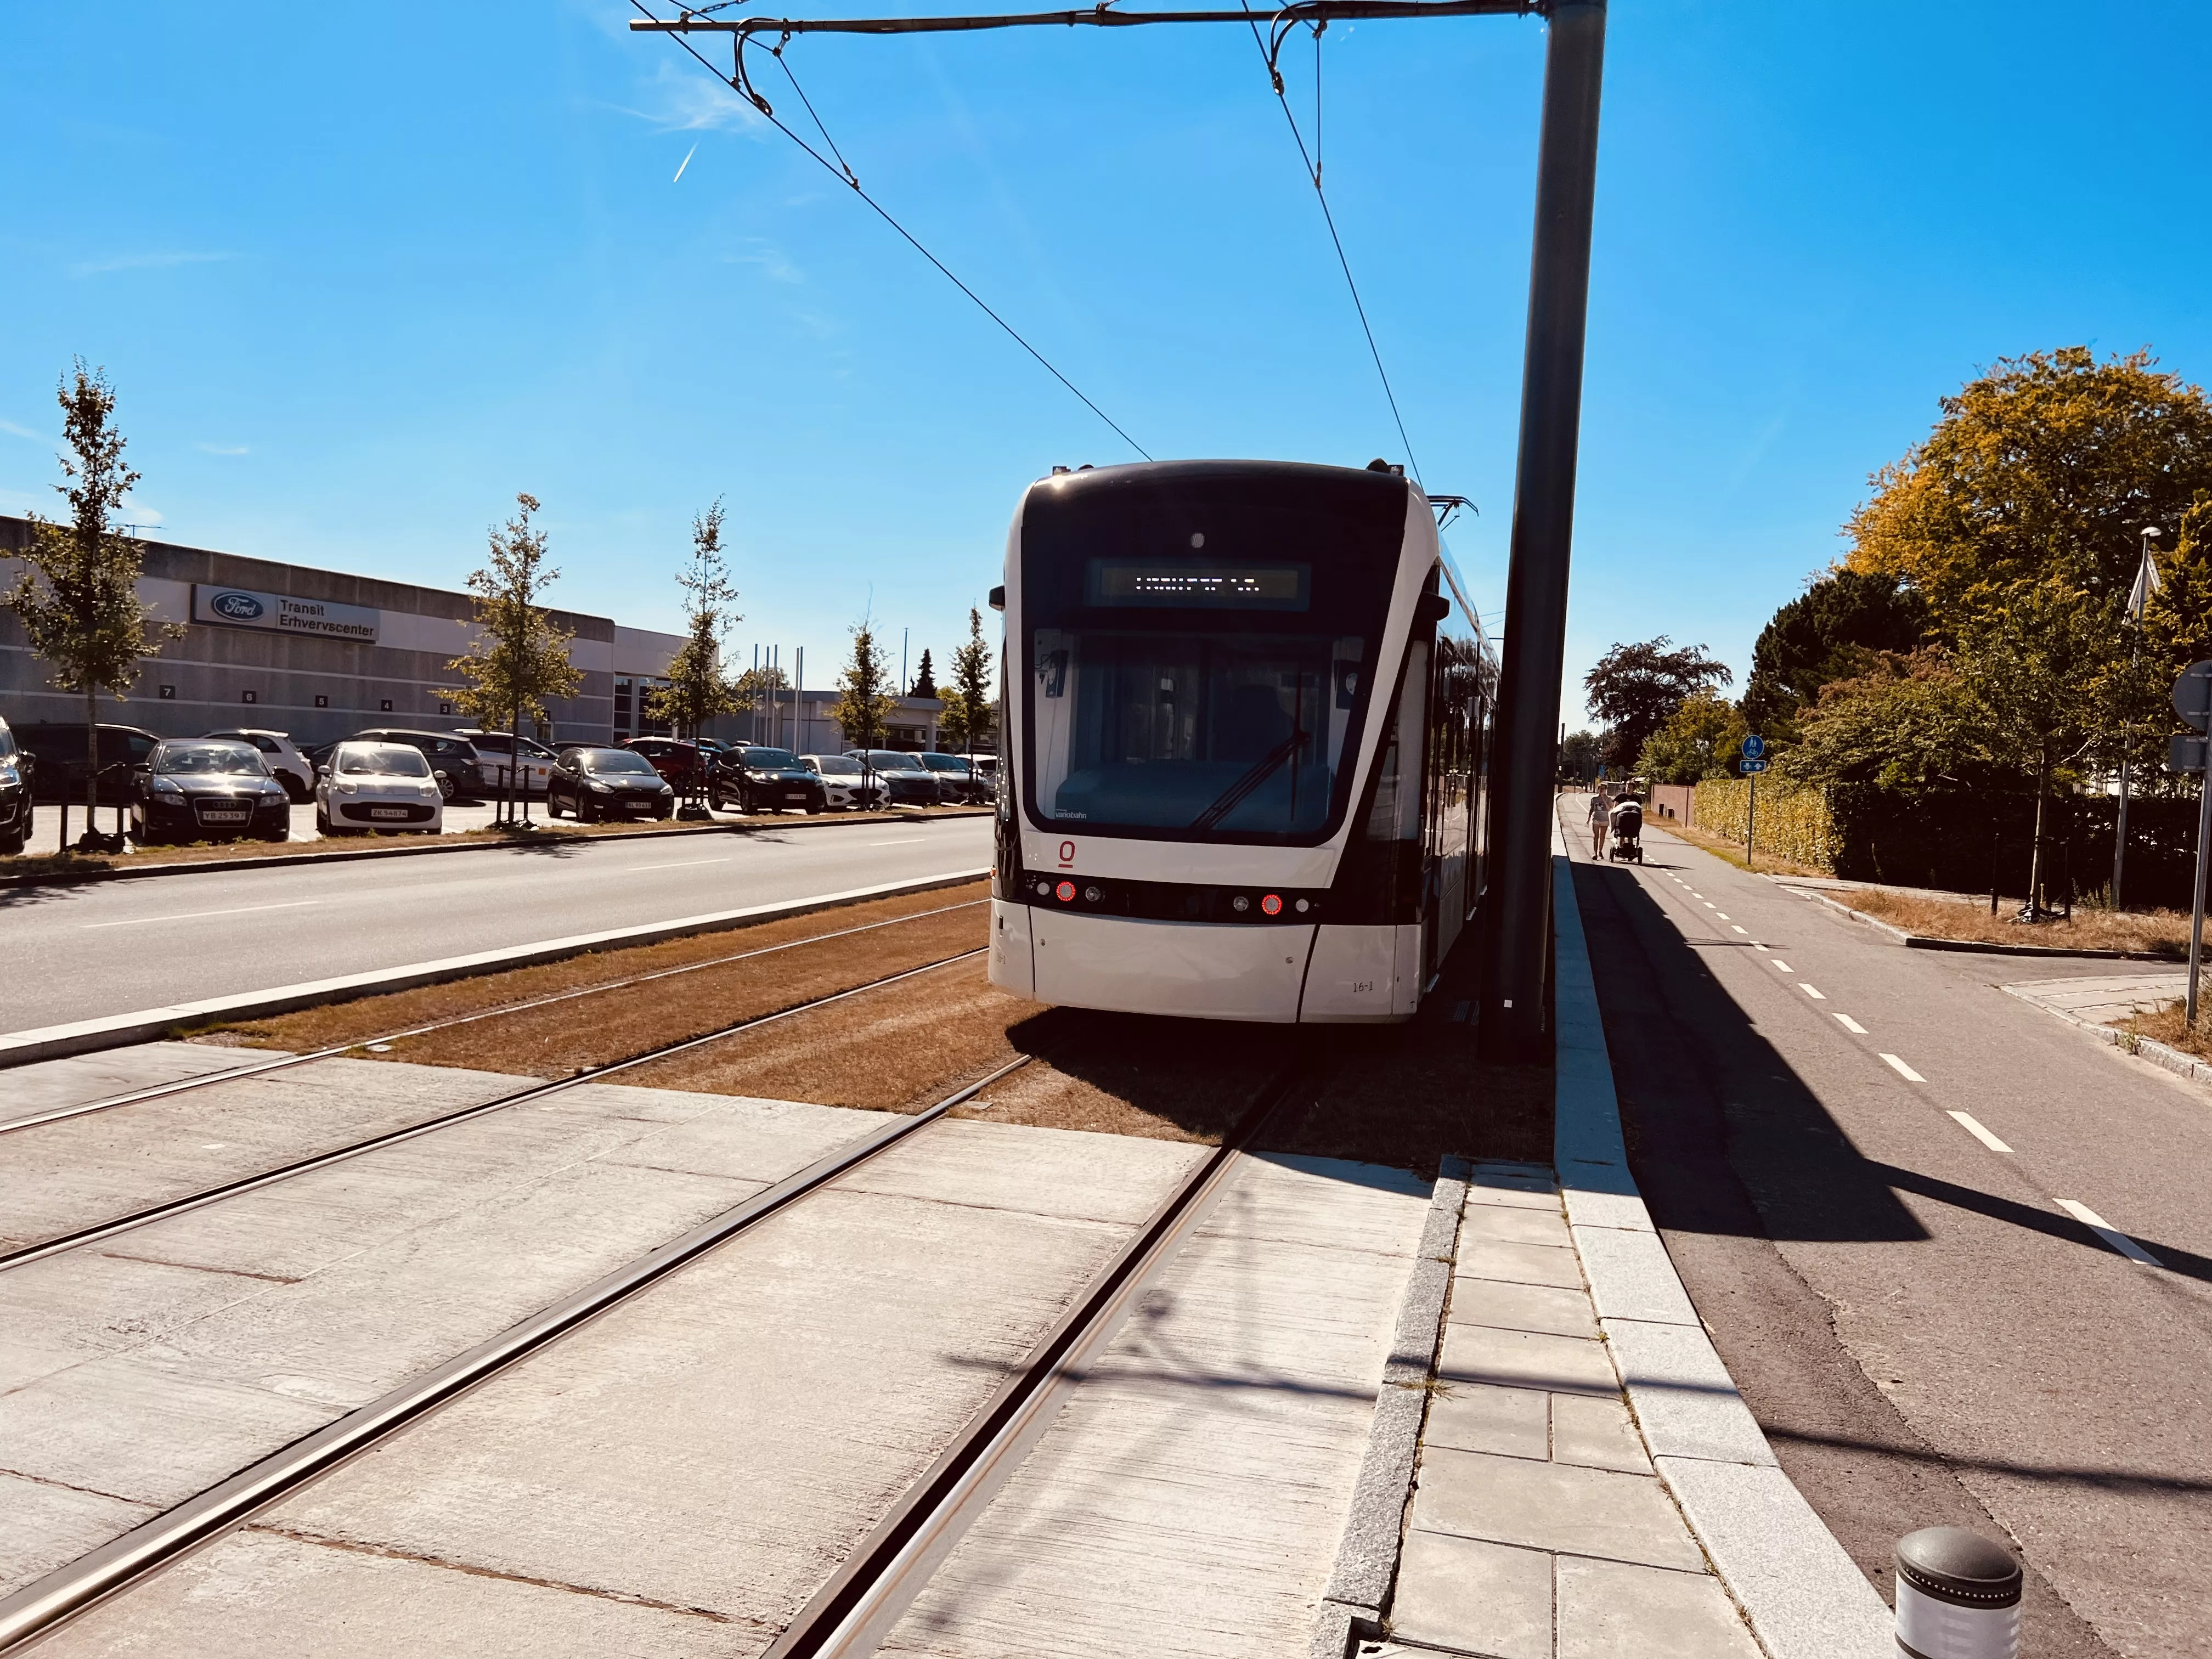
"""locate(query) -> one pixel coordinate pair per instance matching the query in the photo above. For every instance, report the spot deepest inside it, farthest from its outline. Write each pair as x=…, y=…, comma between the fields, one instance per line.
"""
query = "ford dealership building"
x=315, y=653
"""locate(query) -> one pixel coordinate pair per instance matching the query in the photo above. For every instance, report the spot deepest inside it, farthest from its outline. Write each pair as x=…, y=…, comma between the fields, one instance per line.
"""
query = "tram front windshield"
x=1189, y=694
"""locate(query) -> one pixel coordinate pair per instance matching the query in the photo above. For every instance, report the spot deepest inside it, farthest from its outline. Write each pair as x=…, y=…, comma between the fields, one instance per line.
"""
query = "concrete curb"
x=2162, y=1055
x=1976, y=947
x=416, y=850
x=150, y=1025
x=1367, y=1557
x=1803, y=1597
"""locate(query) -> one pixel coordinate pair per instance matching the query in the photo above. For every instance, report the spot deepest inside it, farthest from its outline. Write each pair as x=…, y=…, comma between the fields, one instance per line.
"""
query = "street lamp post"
x=2136, y=600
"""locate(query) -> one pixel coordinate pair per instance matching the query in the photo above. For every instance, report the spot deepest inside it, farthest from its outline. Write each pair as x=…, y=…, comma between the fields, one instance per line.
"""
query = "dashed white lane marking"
x=2112, y=1235
x=1968, y=1121
x=1850, y=1024
x=685, y=864
x=1903, y=1070
x=1738, y=926
x=1810, y=992
x=194, y=915
x=1708, y=904
x=1756, y=947
x=900, y=842
x=1782, y=965
x=1719, y=916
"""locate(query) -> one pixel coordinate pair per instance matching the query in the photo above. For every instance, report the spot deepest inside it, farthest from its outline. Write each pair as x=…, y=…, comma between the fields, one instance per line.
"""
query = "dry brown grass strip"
x=2163, y=933
x=2166, y=1026
x=596, y=1029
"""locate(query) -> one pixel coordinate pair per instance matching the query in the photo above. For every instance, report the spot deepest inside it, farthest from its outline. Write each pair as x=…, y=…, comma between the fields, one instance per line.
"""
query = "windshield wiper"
x=1256, y=774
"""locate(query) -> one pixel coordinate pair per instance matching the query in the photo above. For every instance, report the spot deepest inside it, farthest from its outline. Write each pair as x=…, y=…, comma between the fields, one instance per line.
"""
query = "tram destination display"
x=1184, y=584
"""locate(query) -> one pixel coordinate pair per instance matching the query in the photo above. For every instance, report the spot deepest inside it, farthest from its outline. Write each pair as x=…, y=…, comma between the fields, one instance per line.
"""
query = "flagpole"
x=2146, y=585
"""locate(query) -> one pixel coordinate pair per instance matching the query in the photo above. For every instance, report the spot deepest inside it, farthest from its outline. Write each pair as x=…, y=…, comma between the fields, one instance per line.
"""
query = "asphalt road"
x=72, y=953
x=1926, y=1324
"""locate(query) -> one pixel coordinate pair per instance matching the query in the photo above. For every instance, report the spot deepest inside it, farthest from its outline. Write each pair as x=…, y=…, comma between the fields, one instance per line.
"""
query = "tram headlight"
x=1091, y=895
x=1240, y=904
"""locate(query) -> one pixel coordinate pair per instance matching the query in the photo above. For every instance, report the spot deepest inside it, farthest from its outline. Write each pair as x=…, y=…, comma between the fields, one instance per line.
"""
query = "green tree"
x=1634, y=689
x=698, y=690
x=1578, y=758
x=1906, y=721
x=966, y=726
x=864, y=699
x=756, y=684
x=1831, y=631
x=2044, y=470
x=78, y=596
x=924, y=677
x=1701, y=739
x=520, y=655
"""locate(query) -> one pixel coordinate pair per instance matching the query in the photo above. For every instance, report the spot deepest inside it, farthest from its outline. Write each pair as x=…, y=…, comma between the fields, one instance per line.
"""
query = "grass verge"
x=2159, y=932
x=2166, y=1026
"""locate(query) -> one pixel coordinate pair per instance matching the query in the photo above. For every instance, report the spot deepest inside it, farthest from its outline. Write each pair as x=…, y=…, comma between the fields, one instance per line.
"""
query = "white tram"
x=1246, y=707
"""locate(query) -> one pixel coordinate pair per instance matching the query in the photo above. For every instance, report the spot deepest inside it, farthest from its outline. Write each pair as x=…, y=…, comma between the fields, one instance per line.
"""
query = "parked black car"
x=59, y=747
x=599, y=783
x=960, y=780
x=16, y=769
x=765, y=779
x=454, y=761
x=207, y=789
x=910, y=782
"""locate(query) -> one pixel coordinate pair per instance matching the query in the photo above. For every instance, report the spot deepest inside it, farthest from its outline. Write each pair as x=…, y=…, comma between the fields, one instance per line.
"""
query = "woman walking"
x=1601, y=821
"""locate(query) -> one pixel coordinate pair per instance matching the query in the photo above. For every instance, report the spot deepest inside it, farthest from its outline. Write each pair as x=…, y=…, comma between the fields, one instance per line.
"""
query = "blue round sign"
x=1753, y=746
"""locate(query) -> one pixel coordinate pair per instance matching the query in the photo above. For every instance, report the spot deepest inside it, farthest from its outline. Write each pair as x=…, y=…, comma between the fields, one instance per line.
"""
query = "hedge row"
x=1794, y=822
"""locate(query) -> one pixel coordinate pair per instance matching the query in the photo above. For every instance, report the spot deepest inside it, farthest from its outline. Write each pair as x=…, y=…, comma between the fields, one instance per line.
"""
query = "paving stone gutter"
x=1797, y=1590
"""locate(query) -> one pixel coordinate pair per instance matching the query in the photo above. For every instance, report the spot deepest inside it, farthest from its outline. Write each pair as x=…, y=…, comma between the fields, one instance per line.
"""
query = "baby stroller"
x=1627, y=833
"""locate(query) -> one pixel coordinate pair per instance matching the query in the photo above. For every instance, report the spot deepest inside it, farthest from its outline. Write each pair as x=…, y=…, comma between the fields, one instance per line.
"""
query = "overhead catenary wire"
x=1312, y=162
x=844, y=172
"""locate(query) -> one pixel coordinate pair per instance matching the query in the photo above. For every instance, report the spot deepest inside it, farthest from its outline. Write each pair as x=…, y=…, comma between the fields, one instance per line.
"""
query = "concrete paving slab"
x=1525, y=1360
x=1632, y=1277
x=1449, y=1586
x=1684, y=1398
x=1563, y=1312
x=1474, y=1417
x=280, y=1597
x=1516, y=1225
x=1614, y=1610
x=1517, y=1186
x=1071, y=1174
x=716, y=1445
x=1551, y=1506
x=2105, y=999
x=1190, y=1497
x=44, y=1084
x=43, y=1525
x=1598, y=1434
x=1522, y=1264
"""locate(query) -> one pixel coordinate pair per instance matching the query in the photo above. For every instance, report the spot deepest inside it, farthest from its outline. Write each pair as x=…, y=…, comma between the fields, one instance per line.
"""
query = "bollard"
x=1958, y=1596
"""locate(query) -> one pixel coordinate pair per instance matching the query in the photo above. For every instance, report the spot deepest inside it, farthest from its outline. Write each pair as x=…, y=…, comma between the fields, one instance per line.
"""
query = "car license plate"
x=387, y=812
x=795, y=794
x=222, y=816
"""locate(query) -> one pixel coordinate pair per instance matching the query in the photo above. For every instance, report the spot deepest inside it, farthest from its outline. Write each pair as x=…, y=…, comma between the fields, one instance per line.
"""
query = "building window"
x=634, y=706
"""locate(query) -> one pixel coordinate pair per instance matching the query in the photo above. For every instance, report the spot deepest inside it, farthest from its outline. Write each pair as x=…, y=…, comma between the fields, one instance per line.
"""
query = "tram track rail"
x=286, y=1062
x=859, y=1603
x=100, y=1231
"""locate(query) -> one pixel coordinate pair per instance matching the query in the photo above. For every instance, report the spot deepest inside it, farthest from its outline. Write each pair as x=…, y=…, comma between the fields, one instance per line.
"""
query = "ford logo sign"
x=239, y=607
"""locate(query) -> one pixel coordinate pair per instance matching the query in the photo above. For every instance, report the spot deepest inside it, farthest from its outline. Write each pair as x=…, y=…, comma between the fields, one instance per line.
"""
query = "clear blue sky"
x=360, y=274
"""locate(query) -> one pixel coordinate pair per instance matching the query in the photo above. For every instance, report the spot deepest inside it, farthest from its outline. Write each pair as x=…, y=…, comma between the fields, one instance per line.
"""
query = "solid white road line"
x=1782, y=965
x=194, y=915
x=686, y=863
x=1810, y=992
x=1903, y=1070
x=2112, y=1235
x=1850, y=1024
x=1968, y=1121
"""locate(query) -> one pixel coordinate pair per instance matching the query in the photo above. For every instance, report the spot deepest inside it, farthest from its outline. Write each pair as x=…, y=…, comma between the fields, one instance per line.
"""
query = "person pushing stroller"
x=1627, y=823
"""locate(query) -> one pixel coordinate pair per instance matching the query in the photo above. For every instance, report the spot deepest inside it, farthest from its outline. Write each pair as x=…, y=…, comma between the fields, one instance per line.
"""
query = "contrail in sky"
x=685, y=162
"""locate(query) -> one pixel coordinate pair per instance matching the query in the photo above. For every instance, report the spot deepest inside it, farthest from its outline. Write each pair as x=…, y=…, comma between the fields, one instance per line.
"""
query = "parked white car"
x=495, y=750
x=282, y=757
x=845, y=783
x=377, y=786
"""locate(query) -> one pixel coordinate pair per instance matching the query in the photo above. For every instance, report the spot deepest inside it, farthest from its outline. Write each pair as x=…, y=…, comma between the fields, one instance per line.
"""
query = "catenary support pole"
x=2196, y=897
x=1517, y=940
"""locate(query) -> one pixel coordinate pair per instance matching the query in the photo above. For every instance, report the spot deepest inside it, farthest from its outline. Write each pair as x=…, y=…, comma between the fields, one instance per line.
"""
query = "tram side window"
x=1396, y=813
x=1235, y=733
